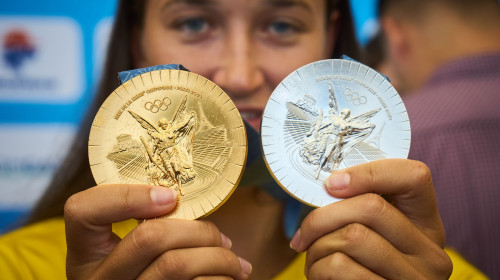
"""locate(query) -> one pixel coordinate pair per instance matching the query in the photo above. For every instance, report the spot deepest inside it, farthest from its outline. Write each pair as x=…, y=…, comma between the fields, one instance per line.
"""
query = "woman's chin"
x=254, y=122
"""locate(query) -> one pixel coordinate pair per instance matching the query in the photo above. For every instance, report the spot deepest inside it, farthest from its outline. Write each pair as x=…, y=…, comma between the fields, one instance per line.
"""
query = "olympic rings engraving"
x=354, y=97
x=158, y=105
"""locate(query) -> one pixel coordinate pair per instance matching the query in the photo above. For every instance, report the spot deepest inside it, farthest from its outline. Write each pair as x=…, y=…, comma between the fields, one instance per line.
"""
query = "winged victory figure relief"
x=170, y=148
x=326, y=140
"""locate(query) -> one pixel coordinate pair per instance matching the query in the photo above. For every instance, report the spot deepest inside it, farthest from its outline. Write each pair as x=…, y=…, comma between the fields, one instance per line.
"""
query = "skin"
x=247, y=49
x=419, y=44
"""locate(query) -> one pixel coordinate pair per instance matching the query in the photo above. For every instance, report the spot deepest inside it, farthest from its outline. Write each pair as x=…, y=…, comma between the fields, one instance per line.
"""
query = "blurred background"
x=51, y=53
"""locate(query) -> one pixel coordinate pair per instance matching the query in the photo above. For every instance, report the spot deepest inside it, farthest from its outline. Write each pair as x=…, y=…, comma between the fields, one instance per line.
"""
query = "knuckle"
x=72, y=207
x=209, y=229
x=421, y=172
x=373, y=204
x=338, y=261
x=312, y=221
x=354, y=233
x=447, y=268
x=145, y=236
x=229, y=258
x=171, y=265
x=127, y=201
x=372, y=174
x=444, y=265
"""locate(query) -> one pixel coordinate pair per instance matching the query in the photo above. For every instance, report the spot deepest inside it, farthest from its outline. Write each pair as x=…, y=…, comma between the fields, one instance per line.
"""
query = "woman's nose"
x=240, y=71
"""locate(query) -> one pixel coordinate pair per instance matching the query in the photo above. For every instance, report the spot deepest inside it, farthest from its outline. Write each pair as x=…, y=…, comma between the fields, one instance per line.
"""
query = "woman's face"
x=247, y=47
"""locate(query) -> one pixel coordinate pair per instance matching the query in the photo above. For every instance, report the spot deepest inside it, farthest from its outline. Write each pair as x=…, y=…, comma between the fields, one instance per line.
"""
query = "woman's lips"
x=251, y=114
x=252, y=117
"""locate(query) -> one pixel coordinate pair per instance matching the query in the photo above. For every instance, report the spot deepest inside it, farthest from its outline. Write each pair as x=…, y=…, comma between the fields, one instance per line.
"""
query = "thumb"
x=89, y=214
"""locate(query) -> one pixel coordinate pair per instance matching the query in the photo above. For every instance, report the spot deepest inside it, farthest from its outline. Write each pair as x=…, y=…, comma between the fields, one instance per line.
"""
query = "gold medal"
x=175, y=129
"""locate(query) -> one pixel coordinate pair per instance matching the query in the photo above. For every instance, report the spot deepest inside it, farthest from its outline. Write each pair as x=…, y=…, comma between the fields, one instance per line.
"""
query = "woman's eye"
x=193, y=29
x=193, y=25
x=281, y=28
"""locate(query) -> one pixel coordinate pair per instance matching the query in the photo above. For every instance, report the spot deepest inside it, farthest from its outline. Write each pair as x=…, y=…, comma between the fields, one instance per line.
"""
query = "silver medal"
x=326, y=116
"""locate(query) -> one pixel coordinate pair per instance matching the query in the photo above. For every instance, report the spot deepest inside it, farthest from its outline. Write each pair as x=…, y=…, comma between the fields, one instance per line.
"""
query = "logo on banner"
x=17, y=48
x=41, y=59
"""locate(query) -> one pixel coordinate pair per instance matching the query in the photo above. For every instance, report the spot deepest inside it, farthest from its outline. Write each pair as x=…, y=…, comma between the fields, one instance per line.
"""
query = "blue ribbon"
x=127, y=75
x=352, y=59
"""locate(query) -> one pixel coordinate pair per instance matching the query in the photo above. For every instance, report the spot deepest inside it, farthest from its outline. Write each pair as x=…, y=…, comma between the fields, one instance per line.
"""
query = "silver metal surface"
x=326, y=116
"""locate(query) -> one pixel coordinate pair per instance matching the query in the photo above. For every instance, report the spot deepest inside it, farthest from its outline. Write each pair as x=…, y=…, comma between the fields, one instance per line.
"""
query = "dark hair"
x=346, y=43
x=74, y=174
x=412, y=8
x=374, y=52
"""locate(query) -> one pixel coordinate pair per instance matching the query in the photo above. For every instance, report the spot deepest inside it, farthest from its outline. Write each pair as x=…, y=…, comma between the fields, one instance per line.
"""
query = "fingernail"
x=246, y=267
x=162, y=196
x=294, y=244
x=338, y=181
x=226, y=242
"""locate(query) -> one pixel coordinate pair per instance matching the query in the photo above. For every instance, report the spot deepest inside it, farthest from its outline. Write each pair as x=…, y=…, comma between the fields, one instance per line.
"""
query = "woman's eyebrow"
x=201, y=3
x=288, y=4
x=268, y=3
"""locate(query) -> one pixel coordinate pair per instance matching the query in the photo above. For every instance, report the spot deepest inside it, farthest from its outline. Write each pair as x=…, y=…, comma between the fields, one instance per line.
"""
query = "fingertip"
x=337, y=182
x=162, y=196
x=295, y=242
x=246, y=267
x=226, y=242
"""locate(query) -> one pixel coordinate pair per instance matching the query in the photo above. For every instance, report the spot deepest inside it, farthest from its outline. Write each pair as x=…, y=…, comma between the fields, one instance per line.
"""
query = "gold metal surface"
x=175, y=129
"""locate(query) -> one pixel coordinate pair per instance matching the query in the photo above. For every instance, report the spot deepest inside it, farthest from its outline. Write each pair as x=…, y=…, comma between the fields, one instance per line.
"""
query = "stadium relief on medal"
x=323, y=140
x=174, y=152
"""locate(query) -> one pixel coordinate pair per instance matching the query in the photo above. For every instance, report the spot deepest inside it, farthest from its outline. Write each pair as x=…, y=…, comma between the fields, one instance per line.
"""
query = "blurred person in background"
x=247, y=48
x=375, y=55
x=447, y=55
